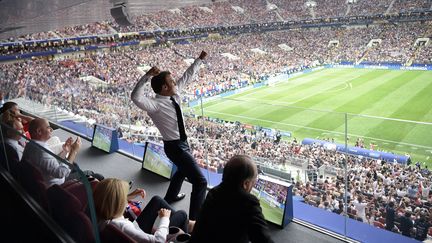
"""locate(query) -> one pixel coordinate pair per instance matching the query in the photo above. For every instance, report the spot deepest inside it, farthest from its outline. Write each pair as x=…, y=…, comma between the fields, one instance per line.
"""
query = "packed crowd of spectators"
x=397, y=43
x=236, y=61
x=236, y=12
x=408, y=6
x=373, y=184
x=424, y=55
x=386, y=195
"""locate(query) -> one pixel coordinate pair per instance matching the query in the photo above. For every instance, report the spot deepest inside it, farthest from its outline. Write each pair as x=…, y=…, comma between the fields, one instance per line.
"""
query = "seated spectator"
x=53, y=171
x=230, y=213
x=14, y=110
x=111, y=197
x=12, y=129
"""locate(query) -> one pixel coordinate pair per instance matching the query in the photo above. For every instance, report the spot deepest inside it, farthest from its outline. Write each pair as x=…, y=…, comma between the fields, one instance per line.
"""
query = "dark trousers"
x=149, y=214
x=179, y=153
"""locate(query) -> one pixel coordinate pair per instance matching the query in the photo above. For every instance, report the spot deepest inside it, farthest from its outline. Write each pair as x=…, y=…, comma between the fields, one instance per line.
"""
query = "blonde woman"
x=111, y=198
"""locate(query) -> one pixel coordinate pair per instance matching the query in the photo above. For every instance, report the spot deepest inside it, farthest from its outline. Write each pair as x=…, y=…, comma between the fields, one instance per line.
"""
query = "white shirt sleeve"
x=139, y=235
x=189, y=74
x=140, y=100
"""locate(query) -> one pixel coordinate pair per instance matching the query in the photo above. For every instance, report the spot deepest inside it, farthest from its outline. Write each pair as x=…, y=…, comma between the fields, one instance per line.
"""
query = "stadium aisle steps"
x=43, y=111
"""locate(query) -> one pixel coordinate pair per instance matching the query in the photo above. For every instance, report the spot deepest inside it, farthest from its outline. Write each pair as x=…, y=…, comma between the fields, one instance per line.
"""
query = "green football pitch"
x=391, y=109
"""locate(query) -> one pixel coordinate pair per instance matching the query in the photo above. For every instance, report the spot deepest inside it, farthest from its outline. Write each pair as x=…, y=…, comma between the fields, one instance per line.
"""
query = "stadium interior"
x=332, y=97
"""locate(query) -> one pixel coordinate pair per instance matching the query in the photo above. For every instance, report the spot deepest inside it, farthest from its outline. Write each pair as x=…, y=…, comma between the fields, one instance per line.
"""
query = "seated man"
x=11, y=108
x=10, y=149
x=12, y=128
x=230, y=213
x=54, y=172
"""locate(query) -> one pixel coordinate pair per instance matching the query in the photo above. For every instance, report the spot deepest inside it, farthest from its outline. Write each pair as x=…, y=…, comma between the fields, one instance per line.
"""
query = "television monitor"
x=275, y=198
x=105, y=138
x=156, y=161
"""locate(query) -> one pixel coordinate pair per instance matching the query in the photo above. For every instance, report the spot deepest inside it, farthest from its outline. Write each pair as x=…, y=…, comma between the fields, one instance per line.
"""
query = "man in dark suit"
x=230, y=212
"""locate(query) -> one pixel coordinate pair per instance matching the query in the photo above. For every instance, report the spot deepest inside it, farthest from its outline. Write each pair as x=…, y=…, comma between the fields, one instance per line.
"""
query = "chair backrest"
x=10, y=156
x=112, y=234
x=32, y=181
x=68, y=213
x=77, y=188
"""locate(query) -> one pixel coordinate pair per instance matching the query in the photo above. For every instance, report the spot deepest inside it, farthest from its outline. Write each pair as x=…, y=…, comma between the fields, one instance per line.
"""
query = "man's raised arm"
x=191, y=71
x=138, y=97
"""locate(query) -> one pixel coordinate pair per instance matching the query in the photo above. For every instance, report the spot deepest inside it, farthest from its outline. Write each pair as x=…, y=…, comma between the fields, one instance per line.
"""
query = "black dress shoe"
x=179, y=197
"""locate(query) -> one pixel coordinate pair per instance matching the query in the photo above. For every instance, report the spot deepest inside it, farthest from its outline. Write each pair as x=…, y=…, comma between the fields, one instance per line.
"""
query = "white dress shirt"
x=160, y=108
x=18, y=148
x=138, y=234
x=53, y=171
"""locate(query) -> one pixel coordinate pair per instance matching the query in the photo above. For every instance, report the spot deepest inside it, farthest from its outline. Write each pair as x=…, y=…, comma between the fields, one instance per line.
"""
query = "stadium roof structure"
x=20, y=17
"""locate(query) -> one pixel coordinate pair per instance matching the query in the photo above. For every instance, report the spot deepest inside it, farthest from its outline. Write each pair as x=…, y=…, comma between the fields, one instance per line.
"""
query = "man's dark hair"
x=158, y=81
x=6, y=106
x=238, y=169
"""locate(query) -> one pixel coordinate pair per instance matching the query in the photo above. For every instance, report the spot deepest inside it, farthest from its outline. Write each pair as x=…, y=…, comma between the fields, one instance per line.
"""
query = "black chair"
x=9, y=158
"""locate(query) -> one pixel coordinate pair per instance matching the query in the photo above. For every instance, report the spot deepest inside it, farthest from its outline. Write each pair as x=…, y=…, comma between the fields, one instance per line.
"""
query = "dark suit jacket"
x=230, y=215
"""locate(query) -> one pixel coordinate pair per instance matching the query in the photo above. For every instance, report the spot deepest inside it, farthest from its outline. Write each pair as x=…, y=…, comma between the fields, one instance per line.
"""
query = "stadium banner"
x=196, y=101
x=389, y=157
x=257, y=85
x=286, y=134
x=393, y=66
x=276, y=79
x=316, y=68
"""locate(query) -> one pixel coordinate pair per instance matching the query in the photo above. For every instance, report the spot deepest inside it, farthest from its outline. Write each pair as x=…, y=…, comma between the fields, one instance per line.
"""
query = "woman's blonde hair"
x=110, y=198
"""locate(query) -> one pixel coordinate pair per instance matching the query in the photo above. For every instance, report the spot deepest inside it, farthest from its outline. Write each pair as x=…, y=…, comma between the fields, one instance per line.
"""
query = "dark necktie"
x=179, y=120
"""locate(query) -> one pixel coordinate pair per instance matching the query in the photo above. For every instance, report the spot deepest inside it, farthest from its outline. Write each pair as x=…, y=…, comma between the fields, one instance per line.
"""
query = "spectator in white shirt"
x=52, y=170
x=360, y=207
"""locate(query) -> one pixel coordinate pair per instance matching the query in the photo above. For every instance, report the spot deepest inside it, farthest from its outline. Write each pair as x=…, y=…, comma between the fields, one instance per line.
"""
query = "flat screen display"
x=102, y=138
x=272, y=194
x=156, y=161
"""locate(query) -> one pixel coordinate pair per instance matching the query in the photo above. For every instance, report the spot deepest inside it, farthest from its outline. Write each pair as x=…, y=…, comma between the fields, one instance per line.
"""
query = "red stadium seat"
x=67, y=212
x=77, y=188
x=112, y=234
x=31, y=179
